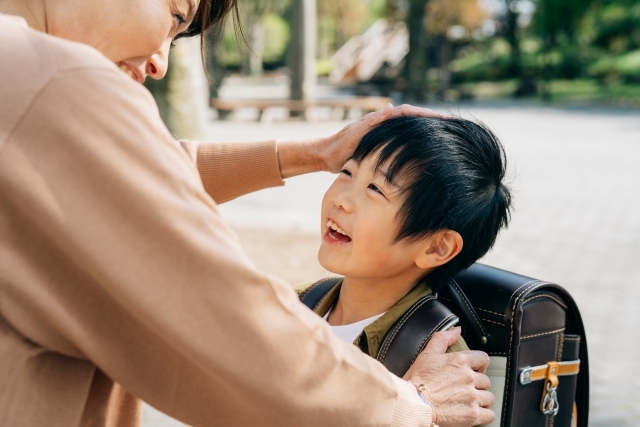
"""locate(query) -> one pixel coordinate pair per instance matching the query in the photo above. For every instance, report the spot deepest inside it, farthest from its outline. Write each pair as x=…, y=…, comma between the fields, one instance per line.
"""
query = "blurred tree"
x=557, y=21
x=215, y=69
x=338, y=21
x=450, y=22
x=277, y=36
x=182, y=96
x=302, y=56
x=415, y=69
x=253, y=13
x=615, y=25
x=510, y=28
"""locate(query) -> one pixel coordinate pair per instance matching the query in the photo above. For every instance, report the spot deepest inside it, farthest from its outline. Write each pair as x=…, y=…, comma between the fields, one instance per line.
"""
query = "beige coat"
x=119, y=278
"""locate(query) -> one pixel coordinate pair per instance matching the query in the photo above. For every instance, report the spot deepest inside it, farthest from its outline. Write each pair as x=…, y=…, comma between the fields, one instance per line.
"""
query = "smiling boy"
x=420, y=200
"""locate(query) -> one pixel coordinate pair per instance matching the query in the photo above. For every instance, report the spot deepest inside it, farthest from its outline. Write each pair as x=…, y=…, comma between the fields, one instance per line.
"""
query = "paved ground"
x=575, y=174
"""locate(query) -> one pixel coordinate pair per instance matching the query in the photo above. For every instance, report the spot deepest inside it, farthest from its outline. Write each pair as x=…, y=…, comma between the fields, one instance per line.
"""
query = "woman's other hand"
x=455, y=384
x=331, y=153
x=337, y=149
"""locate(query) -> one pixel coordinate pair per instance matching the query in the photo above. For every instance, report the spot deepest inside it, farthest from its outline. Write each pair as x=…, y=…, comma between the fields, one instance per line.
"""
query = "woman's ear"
x=440, y=249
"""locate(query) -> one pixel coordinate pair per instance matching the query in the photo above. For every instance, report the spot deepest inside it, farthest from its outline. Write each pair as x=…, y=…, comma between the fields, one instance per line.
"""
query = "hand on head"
x=456, y=384
x=338, y=148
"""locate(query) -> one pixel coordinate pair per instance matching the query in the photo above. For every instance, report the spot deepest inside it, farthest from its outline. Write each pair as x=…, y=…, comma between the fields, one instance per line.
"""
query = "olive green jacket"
x=371, y=338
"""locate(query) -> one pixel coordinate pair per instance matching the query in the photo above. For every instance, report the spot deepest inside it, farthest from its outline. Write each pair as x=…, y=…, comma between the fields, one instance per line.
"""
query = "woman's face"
x=135, y=34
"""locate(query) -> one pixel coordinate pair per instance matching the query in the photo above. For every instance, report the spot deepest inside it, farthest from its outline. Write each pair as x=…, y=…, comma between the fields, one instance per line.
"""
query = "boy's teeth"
x=335, y=227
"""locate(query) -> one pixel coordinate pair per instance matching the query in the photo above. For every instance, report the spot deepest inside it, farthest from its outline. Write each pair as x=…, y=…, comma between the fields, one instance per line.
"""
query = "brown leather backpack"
x=531, y=329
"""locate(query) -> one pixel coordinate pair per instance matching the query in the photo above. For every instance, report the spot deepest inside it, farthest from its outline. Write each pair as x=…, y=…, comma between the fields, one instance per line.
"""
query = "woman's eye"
x=346, y=172
x=376, y=189
x=180, y=18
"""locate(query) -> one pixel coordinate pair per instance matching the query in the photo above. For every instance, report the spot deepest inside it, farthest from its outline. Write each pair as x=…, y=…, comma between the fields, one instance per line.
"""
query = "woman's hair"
x=450, y=172
x=210, y=13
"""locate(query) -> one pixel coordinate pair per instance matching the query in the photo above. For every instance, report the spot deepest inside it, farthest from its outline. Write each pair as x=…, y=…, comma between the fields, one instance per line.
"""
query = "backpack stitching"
x=489, y=311
x=428, y=338
x=471, y=310
x=548, y=296
x=506, y=389
x=387, y=342
x=318, y=283
x=493, y=321
x=541, y=334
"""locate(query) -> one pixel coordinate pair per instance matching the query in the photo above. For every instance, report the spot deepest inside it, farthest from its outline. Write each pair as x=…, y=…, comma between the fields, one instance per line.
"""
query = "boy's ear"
x=441, y=249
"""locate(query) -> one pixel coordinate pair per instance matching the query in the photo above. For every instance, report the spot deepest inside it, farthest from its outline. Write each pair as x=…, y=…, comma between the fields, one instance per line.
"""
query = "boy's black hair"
x=452, y=172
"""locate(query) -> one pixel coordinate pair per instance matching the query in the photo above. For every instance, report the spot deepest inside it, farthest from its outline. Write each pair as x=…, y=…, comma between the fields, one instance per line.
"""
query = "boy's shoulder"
x=332, y=280
x=302, y=287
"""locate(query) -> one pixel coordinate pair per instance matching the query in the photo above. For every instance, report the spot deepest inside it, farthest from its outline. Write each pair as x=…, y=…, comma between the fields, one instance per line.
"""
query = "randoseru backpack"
x=531, y=329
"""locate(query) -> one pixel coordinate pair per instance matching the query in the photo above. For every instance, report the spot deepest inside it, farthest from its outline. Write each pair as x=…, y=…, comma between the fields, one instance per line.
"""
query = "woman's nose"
x=158, y=63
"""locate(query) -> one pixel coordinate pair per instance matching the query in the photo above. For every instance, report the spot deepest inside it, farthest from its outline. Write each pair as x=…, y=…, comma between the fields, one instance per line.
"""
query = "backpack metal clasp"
x=549, y=405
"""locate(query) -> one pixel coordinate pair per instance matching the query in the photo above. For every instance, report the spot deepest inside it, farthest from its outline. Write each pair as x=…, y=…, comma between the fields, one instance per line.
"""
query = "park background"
x=557, y=80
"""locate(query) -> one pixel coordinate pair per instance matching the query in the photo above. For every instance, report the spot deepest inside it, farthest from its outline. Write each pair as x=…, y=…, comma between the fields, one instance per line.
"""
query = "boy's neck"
x=361, y=299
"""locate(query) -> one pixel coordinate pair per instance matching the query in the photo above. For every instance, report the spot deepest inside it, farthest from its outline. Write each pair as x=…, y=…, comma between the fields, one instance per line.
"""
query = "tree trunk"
x=187, y=91
x=416, y=59
x=511, y=34
x=303, y=51
x=444, y=74
x=256, y=42
x=215, y=70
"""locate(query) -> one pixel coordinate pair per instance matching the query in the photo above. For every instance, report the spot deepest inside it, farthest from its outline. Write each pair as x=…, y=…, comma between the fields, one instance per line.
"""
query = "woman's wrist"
x=300, y=157
x=423, y=392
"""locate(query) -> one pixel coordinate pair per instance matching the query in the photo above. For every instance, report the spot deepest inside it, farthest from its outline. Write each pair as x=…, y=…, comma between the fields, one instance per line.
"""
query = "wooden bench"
x=364, y=103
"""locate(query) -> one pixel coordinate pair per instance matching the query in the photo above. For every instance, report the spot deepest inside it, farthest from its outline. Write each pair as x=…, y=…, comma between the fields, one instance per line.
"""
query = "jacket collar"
x=373, y=335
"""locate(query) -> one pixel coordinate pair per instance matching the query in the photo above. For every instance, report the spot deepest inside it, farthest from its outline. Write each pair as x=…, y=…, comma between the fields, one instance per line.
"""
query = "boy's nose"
x=343, y=201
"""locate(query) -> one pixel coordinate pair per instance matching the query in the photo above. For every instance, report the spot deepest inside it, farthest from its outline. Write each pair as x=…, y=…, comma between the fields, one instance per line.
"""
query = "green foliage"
x=556, y=18
x=277, y=35
x=488, y=61
x=616, y=26
x=324, y=67
x=611, y=69
x=229, y=47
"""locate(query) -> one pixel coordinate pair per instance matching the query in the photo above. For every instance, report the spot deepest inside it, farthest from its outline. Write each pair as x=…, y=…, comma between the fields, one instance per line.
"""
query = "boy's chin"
x=330, y=264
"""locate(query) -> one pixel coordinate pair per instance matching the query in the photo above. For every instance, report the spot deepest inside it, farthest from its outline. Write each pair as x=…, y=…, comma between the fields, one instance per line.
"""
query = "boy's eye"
x=346, y=172
x=376, y=189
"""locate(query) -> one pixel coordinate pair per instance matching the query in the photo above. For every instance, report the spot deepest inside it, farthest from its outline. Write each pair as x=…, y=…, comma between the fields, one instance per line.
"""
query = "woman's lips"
x=129, y=71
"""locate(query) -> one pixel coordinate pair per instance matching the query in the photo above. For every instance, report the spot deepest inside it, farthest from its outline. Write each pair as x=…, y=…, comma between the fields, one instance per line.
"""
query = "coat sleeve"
x=119, y=256
x=230, y=170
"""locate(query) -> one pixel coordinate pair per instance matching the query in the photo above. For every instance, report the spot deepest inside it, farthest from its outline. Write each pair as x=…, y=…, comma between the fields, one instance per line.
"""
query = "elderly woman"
x=119, y=280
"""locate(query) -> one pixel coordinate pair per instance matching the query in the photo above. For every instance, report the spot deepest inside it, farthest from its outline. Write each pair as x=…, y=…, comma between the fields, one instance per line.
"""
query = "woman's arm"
x=113, y=253
x=332, y=152
x=230, y=170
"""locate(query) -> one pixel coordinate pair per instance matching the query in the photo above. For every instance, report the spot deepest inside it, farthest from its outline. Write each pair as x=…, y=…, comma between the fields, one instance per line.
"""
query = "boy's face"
x=362, y=206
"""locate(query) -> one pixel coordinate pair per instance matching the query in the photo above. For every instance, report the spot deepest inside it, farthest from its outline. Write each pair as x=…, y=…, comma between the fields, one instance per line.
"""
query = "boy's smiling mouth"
x=335, y=233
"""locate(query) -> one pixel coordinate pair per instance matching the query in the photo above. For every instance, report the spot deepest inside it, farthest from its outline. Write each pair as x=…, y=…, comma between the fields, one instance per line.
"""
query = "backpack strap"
x=408, y=336
x=314, y=294
x=411, y=333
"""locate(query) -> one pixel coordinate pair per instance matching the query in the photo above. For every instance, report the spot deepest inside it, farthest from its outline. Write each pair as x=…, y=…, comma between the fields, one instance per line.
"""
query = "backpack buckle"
x=549, y=404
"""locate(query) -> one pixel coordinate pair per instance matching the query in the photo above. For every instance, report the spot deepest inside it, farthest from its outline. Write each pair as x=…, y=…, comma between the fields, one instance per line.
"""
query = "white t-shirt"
x=350, y=332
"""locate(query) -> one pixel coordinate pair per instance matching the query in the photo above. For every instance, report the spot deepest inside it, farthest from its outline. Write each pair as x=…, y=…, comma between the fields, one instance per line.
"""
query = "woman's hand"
x=331, y=153
x=337, y=149
x=455, y=383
